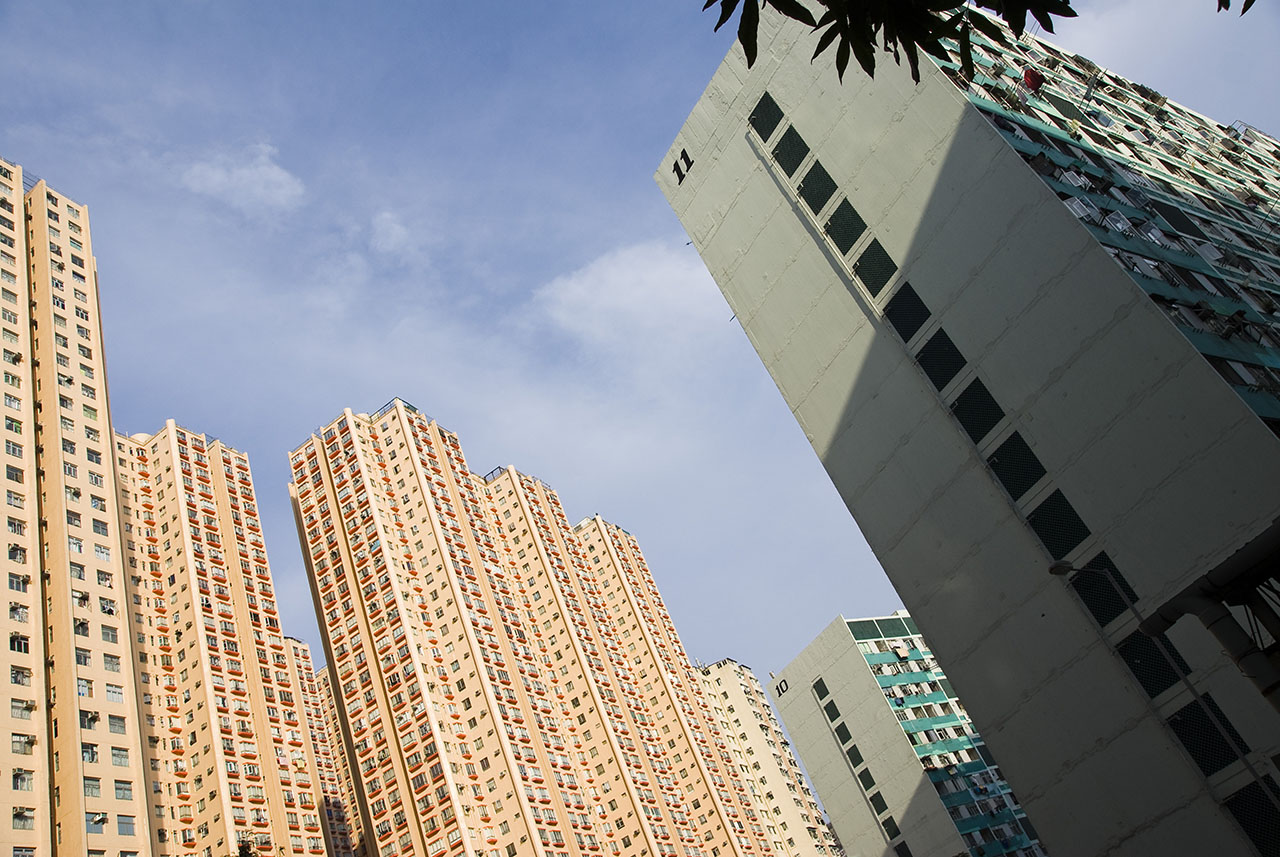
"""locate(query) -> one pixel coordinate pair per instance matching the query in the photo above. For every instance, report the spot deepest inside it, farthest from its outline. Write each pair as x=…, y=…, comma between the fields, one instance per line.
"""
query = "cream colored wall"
x=26, y=705
x=74, y=428
x=794, y=822
x=232, y=758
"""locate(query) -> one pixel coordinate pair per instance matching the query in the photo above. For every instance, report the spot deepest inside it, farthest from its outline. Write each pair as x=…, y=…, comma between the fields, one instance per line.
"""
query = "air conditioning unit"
x=1072, y=177
x=1117, y=222
x=1137, y=198
x=1209, y=253
x=1083, y=209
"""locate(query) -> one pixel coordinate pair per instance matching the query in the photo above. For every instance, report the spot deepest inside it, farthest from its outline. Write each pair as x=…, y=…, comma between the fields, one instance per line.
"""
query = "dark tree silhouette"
x=861, y=28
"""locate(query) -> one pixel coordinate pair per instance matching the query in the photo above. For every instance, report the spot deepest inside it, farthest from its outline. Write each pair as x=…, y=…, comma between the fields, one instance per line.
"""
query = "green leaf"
x=793, y=9
x=987, y=27
x=935, y=48
x=842, y=58
x=825, y=40
x=865, y=50
x=913, y=60
x=966, y=53
x=726, y=12
x=748, y=29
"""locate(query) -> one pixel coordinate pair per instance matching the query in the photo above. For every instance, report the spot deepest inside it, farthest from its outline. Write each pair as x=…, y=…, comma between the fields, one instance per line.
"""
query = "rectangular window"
x=940, y=359
x=1059, y=527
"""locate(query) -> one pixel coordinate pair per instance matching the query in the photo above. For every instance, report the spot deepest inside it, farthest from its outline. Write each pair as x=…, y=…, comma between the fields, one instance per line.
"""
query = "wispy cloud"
x=250, y=180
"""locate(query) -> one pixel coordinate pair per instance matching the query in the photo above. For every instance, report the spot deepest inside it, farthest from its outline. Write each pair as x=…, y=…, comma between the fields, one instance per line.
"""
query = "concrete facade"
x=793, y=820
x=892, y=751
x=994, y=381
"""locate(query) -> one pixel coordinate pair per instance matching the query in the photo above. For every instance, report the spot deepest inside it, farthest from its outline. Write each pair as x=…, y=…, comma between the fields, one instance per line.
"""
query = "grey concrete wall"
x=912, y=800
x=1166, y=465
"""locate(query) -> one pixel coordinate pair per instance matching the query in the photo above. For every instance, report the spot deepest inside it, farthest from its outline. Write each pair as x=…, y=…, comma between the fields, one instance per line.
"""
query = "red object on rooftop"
x=1033, y=79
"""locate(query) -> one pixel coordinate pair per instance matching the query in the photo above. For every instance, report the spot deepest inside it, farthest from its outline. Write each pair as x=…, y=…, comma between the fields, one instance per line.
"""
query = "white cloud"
x=250, y=181
x=388, y=234
x=637, y=307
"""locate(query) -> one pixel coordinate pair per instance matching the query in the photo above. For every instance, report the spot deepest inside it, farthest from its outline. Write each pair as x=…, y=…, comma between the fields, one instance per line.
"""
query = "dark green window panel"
x=863, y=629
x=1155, y=671
x=875, y=268
x=820, y=688
x=766, y=116
x=855, y=757
x=892, y=627
x=1016, y=466
x=877, y=803
x=842, y=734
x=1211, y=750
x=790, y=151
x=833, y=713
x=977, y=411
x=1103, y=589
x=845, y=226
x=901, y=850
x=816, y=187
x=1257, y=815
x=1058, y=526
x=940, y=359
x=906, y=312
x=864, y=777
x=891, y=828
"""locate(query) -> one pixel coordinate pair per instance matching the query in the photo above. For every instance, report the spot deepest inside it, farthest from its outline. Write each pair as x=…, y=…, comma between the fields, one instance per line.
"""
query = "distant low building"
x=892, y=752
x=793, y=820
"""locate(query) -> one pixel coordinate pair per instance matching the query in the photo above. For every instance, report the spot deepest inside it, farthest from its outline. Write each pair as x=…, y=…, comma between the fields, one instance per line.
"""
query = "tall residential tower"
x=504, y=683
x=793, y=820
x=1029, y=324
x=222, y=690
x=75, y=761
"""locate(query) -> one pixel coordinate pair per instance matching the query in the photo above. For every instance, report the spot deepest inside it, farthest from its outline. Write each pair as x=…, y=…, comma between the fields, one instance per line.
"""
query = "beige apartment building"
x=222, y=690
x=334, y=778
x=794, y=822
x=75, y=767
x=502, y=683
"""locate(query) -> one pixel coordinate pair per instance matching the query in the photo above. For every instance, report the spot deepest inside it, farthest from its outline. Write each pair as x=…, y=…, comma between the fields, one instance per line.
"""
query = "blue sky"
x=453, y=203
